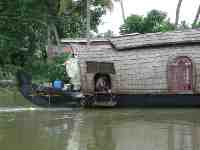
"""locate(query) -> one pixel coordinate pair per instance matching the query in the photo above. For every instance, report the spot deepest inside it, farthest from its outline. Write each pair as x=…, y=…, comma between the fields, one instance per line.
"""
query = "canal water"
x=26, y=127
x=30, y=128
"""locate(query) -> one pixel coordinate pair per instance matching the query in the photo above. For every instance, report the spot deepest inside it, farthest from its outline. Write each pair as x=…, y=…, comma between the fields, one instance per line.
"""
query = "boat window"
x=92, y=67
x=100, y=67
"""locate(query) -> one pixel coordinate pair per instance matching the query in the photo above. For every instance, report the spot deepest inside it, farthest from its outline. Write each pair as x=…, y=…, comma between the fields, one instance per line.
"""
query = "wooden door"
x=180, y=75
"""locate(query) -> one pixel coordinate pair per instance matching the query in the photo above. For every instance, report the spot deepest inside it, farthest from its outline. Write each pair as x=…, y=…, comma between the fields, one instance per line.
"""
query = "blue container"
x=58, y=84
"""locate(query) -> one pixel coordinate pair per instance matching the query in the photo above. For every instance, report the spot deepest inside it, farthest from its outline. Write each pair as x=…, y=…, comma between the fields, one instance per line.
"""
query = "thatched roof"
x=132, y=41
x=156, y=39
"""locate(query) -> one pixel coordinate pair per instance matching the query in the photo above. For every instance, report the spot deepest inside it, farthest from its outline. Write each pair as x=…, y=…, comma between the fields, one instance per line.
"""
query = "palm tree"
x=66, y=7
x=107, y=4
x=122, y=9
x=88, y=23
x=196, y=17
x=178, y=12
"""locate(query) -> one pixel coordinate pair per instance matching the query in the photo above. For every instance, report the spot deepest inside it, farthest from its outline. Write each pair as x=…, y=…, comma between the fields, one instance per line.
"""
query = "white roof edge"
x=83, y=40
x=124, y=35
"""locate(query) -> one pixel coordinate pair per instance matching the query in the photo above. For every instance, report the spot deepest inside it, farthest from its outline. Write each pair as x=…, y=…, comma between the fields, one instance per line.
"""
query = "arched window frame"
x=172, y=64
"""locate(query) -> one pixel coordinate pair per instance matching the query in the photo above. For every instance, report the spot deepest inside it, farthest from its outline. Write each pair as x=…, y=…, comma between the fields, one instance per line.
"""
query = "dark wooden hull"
x=56, y=98
x=59, y=98
x=46, y=96
x=69, y=99
x=144, y=100
x=158, y=100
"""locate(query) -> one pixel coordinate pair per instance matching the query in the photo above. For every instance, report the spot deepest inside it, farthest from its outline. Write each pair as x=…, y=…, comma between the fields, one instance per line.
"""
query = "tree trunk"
x=56, y=35
x=196, y=17
x=88, y=17
x=123, y=11
x=178, y=12
x=48, y=37
x=52, y=30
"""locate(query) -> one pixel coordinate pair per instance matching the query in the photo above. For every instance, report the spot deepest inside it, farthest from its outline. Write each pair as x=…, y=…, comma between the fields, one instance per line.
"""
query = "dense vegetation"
x=51, y=70
x=28, y=26
x=154, y=21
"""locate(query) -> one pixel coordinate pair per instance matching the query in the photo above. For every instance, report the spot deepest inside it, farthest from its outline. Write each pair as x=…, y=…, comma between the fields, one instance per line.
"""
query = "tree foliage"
x=54, y=69
x=133, y=23
x=73, y=22
x=155, y=21
x=23, y=31
x=27, y=25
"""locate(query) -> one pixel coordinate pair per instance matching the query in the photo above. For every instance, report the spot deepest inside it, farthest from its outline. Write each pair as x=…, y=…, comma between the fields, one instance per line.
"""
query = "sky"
x=113, y=20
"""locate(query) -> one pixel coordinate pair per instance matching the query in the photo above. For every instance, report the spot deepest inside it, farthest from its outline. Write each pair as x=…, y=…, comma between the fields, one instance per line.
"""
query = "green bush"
x=51, y=70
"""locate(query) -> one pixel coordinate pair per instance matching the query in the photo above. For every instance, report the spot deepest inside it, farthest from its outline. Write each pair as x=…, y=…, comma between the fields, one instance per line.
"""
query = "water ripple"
x=21, y=109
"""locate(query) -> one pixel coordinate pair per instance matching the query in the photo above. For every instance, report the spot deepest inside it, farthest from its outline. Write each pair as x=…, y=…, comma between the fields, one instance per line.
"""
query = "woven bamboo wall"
x=140, y=60
x=138, y=70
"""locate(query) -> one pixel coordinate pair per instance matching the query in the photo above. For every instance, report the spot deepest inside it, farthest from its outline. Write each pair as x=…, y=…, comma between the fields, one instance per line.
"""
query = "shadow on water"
x=108, y=129
x=11, y=97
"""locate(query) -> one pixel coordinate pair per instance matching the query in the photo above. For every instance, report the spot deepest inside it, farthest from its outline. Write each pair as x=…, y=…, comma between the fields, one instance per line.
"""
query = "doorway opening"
x=102, y=82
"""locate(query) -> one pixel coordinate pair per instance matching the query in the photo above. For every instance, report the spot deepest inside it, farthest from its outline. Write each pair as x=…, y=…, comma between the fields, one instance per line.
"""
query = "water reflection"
x=123, y=129
x=141, y=129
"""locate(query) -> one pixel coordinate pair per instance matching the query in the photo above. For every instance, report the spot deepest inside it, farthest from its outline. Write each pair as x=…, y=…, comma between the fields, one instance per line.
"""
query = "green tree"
x=28, y=26
x=133, y=23
x=155, y=21
x=73, y=22
x=50, y=71
x=196, y=23
x=22, y=31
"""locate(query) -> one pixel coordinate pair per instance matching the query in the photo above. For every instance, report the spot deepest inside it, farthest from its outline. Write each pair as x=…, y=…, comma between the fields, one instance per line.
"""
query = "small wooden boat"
x=46, y=96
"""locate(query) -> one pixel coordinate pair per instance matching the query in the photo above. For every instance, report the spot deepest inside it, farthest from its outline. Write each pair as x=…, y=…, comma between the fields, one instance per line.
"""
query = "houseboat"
x=153, y=69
